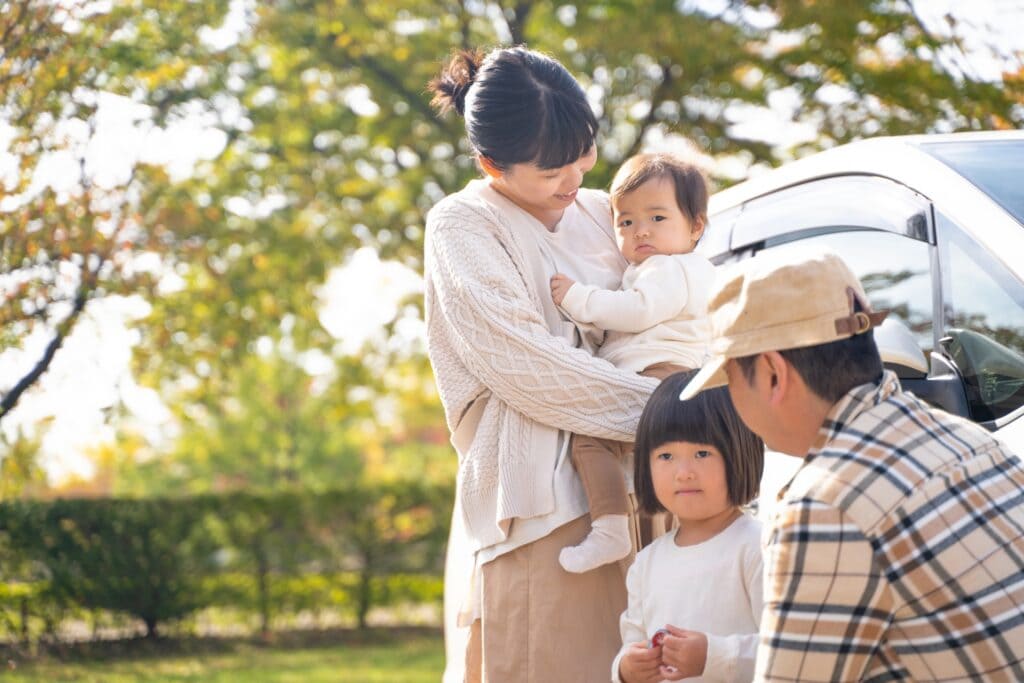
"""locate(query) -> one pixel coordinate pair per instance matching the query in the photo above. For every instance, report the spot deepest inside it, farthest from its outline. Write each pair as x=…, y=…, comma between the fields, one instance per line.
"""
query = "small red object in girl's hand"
x=658, y=637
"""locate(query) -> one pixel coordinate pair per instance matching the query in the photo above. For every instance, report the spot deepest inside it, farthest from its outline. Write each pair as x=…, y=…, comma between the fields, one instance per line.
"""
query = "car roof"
x=899, y=158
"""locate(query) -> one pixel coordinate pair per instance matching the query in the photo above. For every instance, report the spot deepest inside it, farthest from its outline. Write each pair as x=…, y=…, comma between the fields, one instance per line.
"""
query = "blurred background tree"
x=313, y=139
x=71, y=229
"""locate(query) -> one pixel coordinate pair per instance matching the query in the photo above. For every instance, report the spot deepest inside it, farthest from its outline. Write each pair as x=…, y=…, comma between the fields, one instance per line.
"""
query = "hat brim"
x=710, y=376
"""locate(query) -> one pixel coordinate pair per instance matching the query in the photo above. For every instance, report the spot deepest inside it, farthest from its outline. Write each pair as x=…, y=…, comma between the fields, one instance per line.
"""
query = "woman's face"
x=545, y=193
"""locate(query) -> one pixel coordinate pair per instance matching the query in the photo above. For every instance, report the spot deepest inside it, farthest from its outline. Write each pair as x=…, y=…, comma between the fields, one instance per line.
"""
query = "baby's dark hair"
x=520, y=106
x=689, y=181
x=709, y=417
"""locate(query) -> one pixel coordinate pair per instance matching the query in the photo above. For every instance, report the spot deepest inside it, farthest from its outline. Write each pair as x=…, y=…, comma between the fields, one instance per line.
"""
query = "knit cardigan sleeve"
x=499, y=334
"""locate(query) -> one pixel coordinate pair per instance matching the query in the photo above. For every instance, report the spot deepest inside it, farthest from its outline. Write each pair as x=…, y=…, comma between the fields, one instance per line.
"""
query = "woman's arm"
x=504, y=342
x=659, y=293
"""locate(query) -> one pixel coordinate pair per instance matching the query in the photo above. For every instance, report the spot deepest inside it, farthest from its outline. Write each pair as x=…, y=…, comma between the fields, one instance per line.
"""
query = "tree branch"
x=937, y=41
x=414, y=100
x=659, y=93
x=11, y=398
x=517, y=25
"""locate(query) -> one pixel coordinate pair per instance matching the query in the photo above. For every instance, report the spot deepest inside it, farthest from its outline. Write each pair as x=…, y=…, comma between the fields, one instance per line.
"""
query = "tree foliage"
x=329, y=145
x=160, y=559
x=70, y=233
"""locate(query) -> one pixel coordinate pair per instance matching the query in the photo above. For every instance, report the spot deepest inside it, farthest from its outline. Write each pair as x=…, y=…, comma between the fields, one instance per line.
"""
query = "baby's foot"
x=608, y=541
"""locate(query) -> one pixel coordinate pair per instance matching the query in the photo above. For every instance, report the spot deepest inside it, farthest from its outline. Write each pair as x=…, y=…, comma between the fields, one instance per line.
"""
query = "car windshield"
x=995, y=166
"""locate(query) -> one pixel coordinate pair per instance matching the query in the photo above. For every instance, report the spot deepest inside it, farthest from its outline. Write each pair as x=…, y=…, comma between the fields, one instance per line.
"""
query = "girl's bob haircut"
x=708, y=418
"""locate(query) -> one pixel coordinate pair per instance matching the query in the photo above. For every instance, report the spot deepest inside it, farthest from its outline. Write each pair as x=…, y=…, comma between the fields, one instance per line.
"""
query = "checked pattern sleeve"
x=897, y=552
x=827, y=604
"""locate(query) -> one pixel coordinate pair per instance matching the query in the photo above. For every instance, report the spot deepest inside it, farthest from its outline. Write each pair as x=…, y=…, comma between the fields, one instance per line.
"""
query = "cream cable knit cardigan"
x=508, y=383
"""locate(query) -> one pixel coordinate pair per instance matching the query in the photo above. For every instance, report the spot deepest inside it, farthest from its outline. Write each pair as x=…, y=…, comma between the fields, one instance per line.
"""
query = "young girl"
x=700, y=583
x=656, y=323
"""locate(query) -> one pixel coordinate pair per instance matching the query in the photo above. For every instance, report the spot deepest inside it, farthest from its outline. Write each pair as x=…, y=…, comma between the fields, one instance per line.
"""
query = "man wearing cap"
x=896, y=552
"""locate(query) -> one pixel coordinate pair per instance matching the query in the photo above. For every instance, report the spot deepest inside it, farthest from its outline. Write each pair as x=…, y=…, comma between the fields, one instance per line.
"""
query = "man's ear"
x=779, y=377
x=490, y=168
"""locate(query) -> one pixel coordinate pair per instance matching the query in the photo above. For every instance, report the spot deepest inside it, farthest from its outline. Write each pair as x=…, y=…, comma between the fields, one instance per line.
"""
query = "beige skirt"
x=540, y=623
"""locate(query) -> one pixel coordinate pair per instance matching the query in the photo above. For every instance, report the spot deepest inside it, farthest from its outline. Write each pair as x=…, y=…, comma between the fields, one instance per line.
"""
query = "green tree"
x=69, y=234
x=330, y=145
x=21, y=475
x=141, y=557
x=335, y=146
x=276, y=427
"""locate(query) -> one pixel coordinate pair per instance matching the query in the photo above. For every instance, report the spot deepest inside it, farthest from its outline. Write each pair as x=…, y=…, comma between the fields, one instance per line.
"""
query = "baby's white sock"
x=607, y=541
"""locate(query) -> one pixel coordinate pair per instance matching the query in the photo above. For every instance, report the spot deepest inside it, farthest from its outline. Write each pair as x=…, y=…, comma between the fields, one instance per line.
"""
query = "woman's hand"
x=684, y=654
x=560, y=285
x=640, y=664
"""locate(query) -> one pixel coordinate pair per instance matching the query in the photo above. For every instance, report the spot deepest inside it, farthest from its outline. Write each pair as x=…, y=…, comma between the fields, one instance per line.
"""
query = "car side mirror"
x=942, y=386
x=993, y=374
x=899, y=350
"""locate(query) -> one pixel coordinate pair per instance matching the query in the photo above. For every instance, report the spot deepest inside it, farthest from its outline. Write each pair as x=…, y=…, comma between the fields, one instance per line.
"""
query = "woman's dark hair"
x=520, y=106
x=690, y=184
x=709, y=417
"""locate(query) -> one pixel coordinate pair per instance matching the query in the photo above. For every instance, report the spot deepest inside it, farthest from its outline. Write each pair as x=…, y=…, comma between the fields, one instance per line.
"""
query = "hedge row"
x=162, y=559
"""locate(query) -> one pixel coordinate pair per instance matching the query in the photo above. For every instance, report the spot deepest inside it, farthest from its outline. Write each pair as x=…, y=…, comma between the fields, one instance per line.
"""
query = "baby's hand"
x=683, y=653
x=640, y=664
x=560, y=285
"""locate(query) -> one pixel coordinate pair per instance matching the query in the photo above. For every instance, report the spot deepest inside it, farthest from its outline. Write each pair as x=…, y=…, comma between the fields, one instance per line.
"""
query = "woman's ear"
x=489, y=167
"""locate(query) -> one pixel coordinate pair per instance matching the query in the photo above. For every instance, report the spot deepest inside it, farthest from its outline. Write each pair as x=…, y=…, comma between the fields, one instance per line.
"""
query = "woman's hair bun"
x=456, y=77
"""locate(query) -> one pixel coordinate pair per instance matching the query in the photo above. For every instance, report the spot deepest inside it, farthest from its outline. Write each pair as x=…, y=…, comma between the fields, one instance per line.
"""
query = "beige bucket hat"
x=781, y=299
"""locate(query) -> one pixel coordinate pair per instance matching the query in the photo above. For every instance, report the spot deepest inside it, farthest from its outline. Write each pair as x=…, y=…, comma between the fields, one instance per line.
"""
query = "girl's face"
x=689, y=481
x=648, y=221
x=544, y=193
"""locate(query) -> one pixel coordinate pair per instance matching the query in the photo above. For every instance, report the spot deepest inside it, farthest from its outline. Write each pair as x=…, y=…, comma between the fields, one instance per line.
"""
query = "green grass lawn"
x=408, y=658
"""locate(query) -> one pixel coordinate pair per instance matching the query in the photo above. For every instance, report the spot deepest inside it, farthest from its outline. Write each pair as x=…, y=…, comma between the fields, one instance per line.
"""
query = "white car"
x=934, y=227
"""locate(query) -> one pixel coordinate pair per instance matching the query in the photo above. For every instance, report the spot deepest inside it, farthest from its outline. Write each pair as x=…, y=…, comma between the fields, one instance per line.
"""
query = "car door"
x=885, y=233
x=982, y=322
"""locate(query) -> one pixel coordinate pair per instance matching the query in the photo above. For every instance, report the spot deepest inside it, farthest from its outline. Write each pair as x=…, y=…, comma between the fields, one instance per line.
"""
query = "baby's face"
x=649, y=221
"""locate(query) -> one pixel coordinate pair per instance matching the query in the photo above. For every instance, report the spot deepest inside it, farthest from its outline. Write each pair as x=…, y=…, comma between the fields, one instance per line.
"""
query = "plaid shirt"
x=897, y=550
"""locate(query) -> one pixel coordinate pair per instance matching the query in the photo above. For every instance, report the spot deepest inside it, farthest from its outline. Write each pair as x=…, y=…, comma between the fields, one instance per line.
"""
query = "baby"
x=656, y=323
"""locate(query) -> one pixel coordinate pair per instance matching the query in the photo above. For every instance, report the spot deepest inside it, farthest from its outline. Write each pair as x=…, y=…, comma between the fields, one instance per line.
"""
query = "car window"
x=715, y=242
x=895, y=271
x=856, y=201
x=994, y=166
x=983, y=311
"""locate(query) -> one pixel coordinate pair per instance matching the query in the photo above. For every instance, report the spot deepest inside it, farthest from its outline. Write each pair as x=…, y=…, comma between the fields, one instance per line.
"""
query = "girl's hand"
x=683, y=653
x=560, y=285
x=640, y=664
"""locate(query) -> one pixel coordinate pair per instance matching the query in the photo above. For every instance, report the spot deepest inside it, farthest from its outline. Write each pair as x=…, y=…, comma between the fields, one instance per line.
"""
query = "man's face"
x=751, y=401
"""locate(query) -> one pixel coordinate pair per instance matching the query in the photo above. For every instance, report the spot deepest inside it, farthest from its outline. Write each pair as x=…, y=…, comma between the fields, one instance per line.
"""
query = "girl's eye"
x=658, y=219
x=664, y=456
x=625, y=223
x=703, y=454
